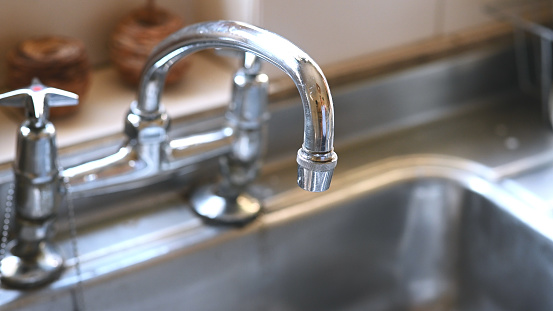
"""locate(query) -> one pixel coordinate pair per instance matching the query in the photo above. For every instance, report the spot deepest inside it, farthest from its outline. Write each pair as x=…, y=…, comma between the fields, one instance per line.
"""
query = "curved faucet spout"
x=316, y=158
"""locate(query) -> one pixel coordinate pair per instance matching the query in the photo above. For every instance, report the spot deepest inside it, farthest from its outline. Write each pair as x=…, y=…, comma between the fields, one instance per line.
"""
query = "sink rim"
x=290, y=205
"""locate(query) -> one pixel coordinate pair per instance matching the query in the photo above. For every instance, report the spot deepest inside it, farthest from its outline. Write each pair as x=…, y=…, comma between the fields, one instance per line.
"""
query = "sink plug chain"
x=7, y=218
x=77, y=294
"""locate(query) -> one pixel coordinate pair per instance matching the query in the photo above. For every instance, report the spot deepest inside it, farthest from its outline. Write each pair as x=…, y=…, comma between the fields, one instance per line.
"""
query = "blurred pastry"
x=56, y=61
x=136, y=35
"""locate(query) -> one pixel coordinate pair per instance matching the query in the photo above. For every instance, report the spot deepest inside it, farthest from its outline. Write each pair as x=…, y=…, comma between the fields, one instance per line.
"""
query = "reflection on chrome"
x=149, y=156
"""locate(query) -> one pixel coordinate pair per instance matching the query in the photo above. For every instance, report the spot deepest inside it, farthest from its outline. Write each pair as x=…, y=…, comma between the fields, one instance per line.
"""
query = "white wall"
x=328, y=30
x=334, y=30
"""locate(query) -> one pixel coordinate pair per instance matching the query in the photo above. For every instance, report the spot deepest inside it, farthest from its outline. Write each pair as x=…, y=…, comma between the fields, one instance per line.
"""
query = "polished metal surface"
x=228, y=201
x=36, y=99
x=316, y=157
x=31, y=259
x=432, y=208
x=148, y=156
x=225, y=208
x=19, y=270
x=414, y=232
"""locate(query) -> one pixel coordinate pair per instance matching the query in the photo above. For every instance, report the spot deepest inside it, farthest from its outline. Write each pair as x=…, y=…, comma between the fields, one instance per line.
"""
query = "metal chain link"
x=77, y=292
x=6, y=222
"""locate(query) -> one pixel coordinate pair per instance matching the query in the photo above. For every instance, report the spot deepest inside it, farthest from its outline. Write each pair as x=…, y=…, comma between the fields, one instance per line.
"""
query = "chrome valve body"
x=148, y=155
x=31, y=259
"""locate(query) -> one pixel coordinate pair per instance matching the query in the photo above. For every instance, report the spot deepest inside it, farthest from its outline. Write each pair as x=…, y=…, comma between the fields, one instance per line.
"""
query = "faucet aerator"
x=314, y=181
x=315, y=171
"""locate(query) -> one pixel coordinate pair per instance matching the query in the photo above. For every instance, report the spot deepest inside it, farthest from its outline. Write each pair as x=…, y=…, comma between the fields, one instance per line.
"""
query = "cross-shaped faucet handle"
x=37, y=100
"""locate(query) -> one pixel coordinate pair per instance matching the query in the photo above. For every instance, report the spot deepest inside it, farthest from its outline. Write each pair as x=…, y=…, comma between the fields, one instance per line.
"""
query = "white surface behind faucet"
x=206, y=86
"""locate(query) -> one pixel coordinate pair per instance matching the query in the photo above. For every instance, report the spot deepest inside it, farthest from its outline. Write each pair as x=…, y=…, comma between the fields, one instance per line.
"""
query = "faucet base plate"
x=18, y=272
x=215, y=208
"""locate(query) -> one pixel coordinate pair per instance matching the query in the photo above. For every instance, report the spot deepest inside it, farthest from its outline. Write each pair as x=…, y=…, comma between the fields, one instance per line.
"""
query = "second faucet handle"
x=31, y=258
x=37, y=100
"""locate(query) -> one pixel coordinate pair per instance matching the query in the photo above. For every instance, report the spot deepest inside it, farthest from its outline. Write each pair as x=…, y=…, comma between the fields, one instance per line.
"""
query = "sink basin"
x=422, y=214
x=409, y=233
x=420, y=237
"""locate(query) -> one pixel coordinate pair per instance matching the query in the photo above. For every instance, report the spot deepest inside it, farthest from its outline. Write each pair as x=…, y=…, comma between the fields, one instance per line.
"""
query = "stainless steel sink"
x=409, y=233
x=424, y=213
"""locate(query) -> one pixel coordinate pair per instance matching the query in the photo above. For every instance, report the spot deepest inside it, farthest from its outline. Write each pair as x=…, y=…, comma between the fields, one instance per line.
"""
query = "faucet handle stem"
x=251, y=63
x=37, y=99
x=31, y=258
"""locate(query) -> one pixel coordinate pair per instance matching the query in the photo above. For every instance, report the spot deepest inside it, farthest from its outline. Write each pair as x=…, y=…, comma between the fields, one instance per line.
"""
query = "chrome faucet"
x=31, y=259
x=316, y=158
x=149, y=156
